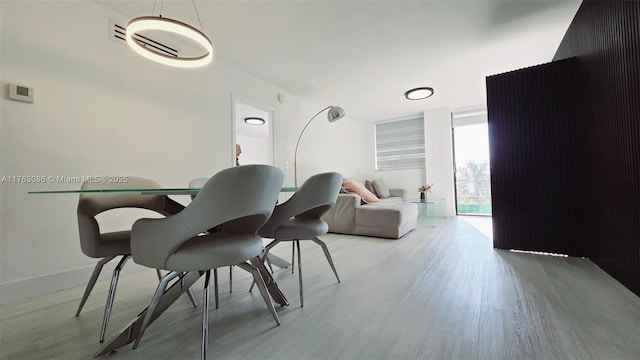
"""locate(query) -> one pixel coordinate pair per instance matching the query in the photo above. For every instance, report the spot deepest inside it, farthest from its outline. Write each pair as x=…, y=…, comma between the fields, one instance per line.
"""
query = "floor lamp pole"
x=295, y=155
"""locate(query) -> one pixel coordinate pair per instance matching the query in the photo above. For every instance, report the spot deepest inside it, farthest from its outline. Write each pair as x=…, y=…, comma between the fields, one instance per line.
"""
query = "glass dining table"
x=155, y=191
x=172, y=206
x=130, y=332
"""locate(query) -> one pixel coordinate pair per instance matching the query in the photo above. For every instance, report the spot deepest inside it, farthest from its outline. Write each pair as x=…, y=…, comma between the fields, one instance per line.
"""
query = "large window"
x=400, y=143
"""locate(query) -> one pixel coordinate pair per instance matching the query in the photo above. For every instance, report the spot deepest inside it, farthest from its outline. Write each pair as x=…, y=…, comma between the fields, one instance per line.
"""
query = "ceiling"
x=363, y=55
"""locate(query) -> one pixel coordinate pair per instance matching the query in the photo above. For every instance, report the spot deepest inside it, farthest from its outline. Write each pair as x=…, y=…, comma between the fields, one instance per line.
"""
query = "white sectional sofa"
x=388, y=218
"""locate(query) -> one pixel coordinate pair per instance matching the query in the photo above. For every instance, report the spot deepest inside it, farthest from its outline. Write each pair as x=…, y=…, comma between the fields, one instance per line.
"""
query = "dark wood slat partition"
x=536, y=159
x=605, y=37
x=565, y=145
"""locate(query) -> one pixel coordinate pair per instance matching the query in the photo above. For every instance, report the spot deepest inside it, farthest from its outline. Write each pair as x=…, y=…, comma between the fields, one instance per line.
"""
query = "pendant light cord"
x=198, y=15
x=155, y=3
x=162, y=5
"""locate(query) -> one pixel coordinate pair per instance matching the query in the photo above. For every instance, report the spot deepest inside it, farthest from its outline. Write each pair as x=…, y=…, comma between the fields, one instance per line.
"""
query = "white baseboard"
x=24, y=289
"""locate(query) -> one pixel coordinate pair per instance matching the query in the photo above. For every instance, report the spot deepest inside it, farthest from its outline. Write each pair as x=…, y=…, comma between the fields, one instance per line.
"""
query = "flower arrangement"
x=425, y=188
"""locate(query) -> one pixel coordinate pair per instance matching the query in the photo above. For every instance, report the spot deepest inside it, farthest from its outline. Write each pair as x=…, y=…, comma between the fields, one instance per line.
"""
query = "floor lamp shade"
x=334, y=114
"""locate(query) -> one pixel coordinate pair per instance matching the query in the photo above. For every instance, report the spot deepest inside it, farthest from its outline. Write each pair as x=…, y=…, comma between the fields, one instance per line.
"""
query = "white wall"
x=340, y=141
x=439, y=159
x=255, y=150
x=102, y=110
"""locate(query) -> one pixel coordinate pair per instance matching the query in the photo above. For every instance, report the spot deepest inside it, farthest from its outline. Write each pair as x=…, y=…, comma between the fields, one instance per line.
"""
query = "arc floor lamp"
x=335, y=113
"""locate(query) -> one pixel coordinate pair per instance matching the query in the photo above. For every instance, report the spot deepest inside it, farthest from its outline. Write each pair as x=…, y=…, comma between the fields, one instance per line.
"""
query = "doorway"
x=253, y=126
x=472, y=180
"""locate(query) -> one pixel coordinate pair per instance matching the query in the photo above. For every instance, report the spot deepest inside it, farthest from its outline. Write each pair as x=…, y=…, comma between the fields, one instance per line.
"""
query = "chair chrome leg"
x=265, y=257
x=92, y=281
x=205, y=317
x=157, y=296
x=189, y=293
x=253, y=283
x=297, y=243
x=265, y=252
x=231, y=278
x=159, y=274
x=111, y=295
x=293, y=255
x=327, y=255
x=215, y=286
x=268, y=260
x=262, y=287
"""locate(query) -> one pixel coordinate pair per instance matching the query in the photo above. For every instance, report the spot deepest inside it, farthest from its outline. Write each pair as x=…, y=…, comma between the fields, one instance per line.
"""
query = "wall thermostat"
x=21, y=93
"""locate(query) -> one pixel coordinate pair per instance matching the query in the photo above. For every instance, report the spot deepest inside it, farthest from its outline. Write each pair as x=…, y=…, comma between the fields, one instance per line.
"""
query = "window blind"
x=400, y=144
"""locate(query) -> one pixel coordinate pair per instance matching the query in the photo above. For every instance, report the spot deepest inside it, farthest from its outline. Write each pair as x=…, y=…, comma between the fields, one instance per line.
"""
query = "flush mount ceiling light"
x=254, y=121
x=419, y=93
x=159, y=23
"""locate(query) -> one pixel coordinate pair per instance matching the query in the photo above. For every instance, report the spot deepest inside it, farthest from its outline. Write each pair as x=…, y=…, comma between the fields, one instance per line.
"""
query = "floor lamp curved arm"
x=335, y=113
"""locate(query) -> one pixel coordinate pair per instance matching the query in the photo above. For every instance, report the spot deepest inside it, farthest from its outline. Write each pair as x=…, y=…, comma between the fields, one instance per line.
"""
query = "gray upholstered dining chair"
x=236, y=202
x=109, y=245
x=299, y=218
x=198, y=183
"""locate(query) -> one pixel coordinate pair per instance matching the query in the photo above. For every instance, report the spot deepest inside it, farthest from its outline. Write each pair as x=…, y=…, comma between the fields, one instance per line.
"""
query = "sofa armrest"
x=341, y=216
x=350, y=199
x=399, y=193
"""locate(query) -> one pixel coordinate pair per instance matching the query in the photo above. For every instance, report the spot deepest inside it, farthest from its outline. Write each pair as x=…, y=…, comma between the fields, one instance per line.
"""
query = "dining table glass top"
x=162, y=191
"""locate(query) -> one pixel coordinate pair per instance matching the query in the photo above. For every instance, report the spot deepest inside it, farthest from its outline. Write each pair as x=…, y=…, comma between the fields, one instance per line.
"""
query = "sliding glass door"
x=471, y=162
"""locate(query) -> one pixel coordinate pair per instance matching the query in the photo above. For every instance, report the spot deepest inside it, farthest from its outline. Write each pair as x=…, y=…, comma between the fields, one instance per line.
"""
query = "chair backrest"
x=235, y=200
x=92, y=204
x=243, y=194
x=314, y=198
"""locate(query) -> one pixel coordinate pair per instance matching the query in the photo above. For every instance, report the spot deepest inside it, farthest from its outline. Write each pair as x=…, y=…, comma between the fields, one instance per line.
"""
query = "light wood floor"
x=437, y=293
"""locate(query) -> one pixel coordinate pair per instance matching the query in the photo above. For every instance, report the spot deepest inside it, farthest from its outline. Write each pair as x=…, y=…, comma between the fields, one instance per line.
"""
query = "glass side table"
x=427, y=209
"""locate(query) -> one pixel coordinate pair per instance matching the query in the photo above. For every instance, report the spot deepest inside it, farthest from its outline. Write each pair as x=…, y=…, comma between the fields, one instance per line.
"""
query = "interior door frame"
x=236, y=98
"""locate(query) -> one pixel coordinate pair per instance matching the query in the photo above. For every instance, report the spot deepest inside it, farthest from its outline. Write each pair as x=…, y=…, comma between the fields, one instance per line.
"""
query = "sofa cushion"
x=381, y=188
x=369, y=185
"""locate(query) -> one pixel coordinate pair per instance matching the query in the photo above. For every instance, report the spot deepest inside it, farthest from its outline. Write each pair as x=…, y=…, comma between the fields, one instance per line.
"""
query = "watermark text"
x=63, y=179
